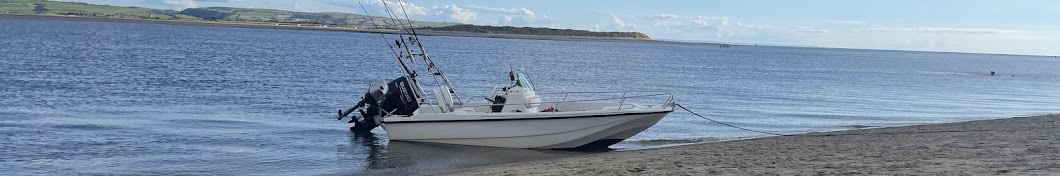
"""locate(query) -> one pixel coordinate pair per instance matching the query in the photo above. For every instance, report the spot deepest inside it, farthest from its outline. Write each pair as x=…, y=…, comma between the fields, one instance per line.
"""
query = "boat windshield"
x=523, y=80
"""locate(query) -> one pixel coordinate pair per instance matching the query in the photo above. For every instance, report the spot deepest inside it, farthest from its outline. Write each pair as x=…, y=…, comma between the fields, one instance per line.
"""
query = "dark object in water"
x=991, y=73
x=858, y=126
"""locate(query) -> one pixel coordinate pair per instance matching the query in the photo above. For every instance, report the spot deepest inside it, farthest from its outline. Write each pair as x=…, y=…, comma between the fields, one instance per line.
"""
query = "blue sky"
x=981, y=26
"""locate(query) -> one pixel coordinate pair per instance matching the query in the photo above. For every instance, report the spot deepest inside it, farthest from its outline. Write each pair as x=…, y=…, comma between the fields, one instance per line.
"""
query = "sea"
x=107, y=98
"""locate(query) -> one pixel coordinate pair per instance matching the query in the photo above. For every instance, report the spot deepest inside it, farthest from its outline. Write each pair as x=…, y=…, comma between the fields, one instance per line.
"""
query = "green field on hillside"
x=282, y=17
x=272, y=15
x=45, y=7
x=82, y=9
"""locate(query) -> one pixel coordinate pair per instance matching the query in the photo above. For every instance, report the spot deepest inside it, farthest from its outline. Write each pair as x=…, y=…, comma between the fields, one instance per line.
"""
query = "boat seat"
x=444, y=98
x=498, y=103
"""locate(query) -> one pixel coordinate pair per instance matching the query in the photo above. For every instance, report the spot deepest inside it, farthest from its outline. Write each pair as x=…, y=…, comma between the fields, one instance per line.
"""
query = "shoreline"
x=1009, y=146
x=422, y=31
x=267, y=25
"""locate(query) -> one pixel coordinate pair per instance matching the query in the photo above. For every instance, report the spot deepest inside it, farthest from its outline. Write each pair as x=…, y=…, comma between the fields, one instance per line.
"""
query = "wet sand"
x=1012, y=146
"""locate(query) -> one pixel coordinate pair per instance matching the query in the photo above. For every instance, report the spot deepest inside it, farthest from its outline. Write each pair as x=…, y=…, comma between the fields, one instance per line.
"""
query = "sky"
x=1030, y=27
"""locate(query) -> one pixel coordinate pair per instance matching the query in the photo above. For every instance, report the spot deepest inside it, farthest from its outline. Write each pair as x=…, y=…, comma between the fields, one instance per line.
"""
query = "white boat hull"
x=559, y=130
x=515, y=116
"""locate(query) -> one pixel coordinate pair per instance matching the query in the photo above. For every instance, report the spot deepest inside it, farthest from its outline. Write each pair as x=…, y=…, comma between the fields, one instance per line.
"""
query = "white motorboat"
x=517, y=118
x=514, y=115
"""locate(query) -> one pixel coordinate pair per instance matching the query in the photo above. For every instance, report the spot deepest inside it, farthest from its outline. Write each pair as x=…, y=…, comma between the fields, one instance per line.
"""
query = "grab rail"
x=622, y=99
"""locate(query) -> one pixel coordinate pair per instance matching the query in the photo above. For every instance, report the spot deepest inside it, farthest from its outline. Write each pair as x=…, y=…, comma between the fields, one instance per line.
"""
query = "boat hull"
x=542, y=131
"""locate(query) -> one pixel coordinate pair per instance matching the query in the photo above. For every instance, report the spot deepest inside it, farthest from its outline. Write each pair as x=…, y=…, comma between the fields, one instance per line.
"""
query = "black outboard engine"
x=394, y=98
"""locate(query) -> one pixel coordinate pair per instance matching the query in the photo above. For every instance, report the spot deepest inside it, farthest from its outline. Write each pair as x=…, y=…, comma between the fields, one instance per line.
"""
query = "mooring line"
x=778, y=134
x=730, y=125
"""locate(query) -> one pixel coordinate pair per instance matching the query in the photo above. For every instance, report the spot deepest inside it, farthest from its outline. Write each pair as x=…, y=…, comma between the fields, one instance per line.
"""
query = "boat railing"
x=625, y=95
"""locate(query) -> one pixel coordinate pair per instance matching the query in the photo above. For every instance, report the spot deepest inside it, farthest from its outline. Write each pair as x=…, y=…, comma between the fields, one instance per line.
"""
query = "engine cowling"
x=396, y=97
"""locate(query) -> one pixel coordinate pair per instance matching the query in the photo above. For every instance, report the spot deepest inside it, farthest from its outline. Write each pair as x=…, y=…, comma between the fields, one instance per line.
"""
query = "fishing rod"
x=378, y=31
x=408, y=73
x=393, y=20
x=393, y=15
x=411, y=56
x=427, y=58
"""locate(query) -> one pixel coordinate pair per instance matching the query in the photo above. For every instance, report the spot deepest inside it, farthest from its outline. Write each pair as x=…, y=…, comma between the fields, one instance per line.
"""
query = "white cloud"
x=671, y=22
x=457, y=13
x=452, y=12
x=849, y=22
x=713, y=23
x=712, y=28
x=489, y=15
x=754, y=27
x=836, y=32
x=182, y=3
x=195, y=3
x=662, y=17
x=509, y=11
x=619, y=24
x=937, y=30
x=376, y=7
x=807, y=29
x=398, y=8
x=298, y=7
x=941, y=39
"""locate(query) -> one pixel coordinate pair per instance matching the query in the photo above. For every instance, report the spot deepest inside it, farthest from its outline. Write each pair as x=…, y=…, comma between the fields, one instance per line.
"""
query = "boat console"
x=518, y=96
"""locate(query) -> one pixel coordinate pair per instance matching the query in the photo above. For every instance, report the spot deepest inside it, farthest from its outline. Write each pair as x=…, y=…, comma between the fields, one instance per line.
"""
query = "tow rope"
x=730, y=125
x=778, y=134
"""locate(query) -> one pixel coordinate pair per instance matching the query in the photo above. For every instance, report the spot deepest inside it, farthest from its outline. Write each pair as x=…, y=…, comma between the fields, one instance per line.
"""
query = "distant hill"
x=283, y=16
x=538, y=31
x=273, y=17
x=43, y=7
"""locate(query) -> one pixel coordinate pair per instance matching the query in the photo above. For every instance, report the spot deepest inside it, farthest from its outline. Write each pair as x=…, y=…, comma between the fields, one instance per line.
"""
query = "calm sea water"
x=118, y=98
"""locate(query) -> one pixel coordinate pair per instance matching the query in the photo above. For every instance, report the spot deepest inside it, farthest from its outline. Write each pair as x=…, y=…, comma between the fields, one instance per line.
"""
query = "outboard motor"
x=381, y=100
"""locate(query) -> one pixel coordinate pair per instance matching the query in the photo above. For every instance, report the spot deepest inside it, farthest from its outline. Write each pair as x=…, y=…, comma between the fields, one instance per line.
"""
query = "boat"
x=512, y=115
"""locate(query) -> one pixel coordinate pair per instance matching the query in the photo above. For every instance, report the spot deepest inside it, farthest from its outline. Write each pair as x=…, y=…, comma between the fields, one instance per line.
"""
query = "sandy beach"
x=1012, y=146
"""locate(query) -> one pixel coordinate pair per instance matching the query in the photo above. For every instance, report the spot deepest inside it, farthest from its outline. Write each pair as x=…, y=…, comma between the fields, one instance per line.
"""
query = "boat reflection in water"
x=375, y=154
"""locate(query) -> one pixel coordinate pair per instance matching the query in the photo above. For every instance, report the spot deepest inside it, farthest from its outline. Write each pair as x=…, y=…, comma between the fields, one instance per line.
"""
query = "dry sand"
x=1014, y=146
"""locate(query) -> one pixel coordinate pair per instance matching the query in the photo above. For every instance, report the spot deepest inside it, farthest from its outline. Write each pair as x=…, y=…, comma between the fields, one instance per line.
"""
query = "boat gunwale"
x=669, y=98
x=530, y=118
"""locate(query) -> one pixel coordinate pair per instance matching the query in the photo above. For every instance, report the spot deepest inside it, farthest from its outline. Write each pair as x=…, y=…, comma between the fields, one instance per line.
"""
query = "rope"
x=778, y=134
x=730, y=125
